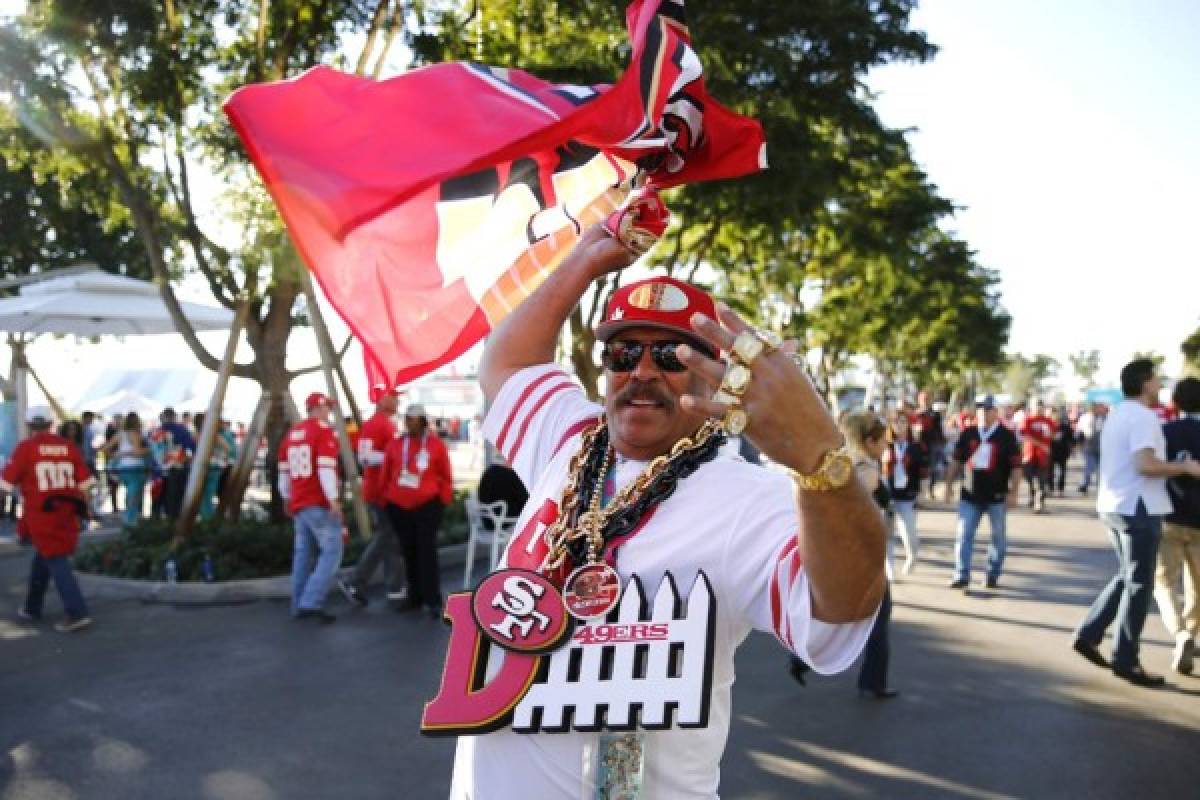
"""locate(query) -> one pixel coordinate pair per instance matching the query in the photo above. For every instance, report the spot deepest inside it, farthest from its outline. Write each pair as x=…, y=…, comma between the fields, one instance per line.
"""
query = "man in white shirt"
x=799, y=556
x=1132, y=502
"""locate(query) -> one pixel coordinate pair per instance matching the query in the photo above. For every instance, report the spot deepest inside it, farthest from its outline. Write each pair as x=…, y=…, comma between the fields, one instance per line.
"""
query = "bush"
x=239, y=550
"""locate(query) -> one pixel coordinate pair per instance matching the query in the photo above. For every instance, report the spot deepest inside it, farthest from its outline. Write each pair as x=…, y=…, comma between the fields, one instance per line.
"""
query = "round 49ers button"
x=521, y=611
x=591, y=591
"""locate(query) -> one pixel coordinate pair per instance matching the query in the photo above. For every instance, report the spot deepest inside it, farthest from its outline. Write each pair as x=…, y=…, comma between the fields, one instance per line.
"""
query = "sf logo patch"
x=521, y=611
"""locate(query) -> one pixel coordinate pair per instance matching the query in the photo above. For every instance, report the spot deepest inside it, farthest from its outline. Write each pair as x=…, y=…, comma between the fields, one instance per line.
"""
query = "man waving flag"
x=429, y=205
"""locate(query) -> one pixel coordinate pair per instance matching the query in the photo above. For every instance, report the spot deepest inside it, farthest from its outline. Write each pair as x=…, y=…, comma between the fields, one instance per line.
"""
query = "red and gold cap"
x=659, y=302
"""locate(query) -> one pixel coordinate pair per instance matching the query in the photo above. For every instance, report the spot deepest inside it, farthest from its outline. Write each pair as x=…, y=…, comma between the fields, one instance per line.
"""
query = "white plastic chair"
x=488, y=523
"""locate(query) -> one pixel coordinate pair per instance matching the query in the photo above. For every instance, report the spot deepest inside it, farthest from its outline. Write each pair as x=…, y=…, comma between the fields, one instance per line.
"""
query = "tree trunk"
x=583, y=344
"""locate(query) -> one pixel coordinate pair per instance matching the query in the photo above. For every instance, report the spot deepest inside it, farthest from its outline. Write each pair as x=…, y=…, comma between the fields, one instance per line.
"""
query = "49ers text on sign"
x=646, y=666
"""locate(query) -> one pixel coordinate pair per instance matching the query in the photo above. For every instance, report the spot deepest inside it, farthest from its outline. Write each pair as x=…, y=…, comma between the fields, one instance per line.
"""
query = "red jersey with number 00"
x=305, y=449
x=45, y=466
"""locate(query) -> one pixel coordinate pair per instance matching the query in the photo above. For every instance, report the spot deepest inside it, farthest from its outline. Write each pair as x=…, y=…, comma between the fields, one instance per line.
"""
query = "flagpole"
x=328, y=358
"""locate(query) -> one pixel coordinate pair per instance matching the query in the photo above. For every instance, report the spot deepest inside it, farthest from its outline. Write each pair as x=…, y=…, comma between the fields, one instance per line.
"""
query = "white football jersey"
x=735, y=521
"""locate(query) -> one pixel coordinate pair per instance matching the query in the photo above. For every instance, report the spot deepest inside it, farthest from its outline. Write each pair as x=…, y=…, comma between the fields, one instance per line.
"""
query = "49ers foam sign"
x=648, y=665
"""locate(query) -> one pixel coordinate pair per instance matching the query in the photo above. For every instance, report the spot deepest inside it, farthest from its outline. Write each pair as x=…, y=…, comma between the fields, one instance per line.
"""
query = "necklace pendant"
x=589, y=524
x=591, y=591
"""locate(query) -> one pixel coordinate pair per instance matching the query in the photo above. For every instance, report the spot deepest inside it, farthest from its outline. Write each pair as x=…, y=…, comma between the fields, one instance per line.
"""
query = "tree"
x=797, y=67
x=1157, y=358
x=1027, y=377
x=128, y=92
x=1191, y=353
x=1086, y=363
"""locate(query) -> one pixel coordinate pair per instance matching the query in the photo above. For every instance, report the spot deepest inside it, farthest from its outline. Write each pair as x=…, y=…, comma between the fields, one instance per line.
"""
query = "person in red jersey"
x=1037, y=437
x=373, y=440
x=52, y=477
x=418, y=485
x=308, y=482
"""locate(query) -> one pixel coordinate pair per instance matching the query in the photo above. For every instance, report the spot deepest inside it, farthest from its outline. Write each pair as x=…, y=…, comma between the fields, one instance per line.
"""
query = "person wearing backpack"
x=1179, y=550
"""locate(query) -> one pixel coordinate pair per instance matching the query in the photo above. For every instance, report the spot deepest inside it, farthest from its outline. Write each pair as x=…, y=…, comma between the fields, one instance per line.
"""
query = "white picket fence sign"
x=631, y=670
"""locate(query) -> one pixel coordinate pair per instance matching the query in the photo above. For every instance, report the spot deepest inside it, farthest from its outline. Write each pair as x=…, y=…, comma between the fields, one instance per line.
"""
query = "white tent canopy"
x=97, y=304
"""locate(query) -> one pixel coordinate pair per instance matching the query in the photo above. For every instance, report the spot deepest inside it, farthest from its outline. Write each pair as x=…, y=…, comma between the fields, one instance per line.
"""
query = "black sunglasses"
x=625, y=356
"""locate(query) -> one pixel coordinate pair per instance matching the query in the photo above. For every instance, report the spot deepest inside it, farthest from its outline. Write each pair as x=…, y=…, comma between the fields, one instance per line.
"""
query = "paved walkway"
x=239, y=703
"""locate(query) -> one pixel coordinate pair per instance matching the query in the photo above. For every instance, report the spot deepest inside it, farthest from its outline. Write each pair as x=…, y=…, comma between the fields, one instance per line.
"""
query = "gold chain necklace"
x=591, y=523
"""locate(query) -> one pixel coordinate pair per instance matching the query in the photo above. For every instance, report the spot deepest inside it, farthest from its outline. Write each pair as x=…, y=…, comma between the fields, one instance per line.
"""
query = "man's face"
x=923, y=399
x=1153, y=389
x=645, y=418
x=986, y=417
x=388, y=404
x=321, y=412
x=414, y=425
x=1035, y=405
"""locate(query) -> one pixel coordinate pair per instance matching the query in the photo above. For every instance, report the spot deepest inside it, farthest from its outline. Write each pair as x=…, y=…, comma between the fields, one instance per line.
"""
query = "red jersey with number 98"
x=45, y=466
x=305, y=449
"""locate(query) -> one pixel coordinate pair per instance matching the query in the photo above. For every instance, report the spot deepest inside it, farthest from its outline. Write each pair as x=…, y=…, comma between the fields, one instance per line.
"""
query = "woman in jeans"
x=904, y=463
x=127, y=451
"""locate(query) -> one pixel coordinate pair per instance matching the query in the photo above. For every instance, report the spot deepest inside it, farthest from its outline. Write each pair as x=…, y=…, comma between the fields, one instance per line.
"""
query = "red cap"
x=316, y=399
x=658, y=302
x=380, y=389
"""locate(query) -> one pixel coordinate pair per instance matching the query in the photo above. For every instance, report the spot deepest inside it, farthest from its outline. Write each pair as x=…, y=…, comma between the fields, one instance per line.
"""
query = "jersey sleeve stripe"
x=511, y=456
x=779, y=619
x=572, y=431
x=520, y=403
x=326, y=461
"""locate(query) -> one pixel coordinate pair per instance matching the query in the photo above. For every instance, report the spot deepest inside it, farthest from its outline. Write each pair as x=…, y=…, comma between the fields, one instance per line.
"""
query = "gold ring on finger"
x=722, y=396
x=771, y=340
x=737, y=379
x=748, y=346
x=735, y=420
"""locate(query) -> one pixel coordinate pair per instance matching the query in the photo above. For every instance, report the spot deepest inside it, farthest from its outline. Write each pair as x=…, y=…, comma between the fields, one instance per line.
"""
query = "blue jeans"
x=41, y=571
x=1126, y=598
x=316, y=529
x=969, y=516
x=1091, y=463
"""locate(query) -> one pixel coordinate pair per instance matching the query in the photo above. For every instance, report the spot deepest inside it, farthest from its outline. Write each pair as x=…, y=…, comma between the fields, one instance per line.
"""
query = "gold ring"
x=735, y=421
x=748, y=346
x=722, y=396
x=771, y=340
x=737, y=378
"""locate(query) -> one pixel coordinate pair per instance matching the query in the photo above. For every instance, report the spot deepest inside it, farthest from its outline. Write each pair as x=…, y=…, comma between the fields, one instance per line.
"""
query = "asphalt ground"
x=242, y=703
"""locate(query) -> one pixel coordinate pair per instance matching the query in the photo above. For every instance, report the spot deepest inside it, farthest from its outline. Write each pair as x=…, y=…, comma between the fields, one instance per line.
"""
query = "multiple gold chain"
x=592, y=522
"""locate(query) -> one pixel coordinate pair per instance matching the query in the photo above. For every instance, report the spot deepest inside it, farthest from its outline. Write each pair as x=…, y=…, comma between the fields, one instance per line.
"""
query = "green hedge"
x=239, y=550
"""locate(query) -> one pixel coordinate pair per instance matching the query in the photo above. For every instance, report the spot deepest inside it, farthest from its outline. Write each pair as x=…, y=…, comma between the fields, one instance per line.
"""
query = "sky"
x=1067, y=131
x=1064, y=129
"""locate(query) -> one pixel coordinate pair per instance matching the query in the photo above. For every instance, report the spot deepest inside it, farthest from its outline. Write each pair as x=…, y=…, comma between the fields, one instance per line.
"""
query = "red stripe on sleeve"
x=516, y=409
x=575, y=429
x=511, y=456
x=778, y=613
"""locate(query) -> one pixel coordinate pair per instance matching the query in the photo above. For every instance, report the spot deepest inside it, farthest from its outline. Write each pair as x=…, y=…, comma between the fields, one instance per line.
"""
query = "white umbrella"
x=98, y=304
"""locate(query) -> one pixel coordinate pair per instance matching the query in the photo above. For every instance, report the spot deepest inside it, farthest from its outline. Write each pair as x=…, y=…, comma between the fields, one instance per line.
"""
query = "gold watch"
x=834, y=472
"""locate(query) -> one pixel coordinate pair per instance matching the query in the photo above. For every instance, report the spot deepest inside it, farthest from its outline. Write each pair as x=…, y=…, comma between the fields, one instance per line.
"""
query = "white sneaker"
x=72, y=624
x=25, y=615
x=1185, y=651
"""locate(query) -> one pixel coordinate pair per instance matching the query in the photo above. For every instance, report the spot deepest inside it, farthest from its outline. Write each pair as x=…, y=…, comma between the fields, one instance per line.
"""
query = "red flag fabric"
x=429, y=205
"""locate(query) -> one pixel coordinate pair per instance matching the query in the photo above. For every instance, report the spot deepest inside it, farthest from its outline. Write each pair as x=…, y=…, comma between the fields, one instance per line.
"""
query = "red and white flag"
x=429, y=205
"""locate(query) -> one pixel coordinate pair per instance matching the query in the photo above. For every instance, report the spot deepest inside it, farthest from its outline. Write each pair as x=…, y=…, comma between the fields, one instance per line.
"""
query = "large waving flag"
x=429, y=205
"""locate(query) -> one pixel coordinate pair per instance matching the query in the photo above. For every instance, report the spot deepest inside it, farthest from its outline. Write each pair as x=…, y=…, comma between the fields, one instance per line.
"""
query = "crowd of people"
x=130, y=459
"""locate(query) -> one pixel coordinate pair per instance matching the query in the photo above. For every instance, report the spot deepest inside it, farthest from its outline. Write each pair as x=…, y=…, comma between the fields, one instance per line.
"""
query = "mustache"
x=636, y=390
